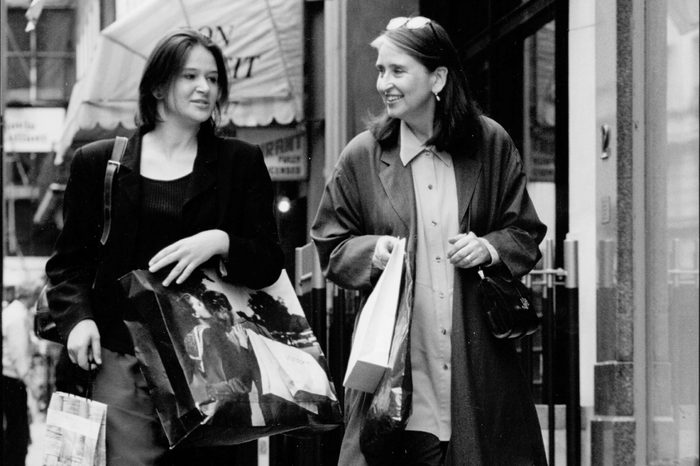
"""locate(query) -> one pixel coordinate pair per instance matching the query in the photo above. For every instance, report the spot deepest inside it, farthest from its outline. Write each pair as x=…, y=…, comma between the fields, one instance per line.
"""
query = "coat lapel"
x=129, y=185
x=396, y=179
x=467, y=172
x=204, y=171
x=126, y=198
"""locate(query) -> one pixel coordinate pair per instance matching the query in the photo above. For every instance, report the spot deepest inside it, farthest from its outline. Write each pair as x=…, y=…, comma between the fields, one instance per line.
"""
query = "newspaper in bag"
x=75, y=431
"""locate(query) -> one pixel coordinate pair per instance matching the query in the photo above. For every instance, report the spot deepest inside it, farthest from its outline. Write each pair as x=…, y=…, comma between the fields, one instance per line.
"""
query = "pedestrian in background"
x=183, y=197
x=432, y=169
x=17, y=355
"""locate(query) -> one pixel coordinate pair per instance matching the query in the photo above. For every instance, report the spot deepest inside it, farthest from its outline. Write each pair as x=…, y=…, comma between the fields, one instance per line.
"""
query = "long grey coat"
x=370, y=194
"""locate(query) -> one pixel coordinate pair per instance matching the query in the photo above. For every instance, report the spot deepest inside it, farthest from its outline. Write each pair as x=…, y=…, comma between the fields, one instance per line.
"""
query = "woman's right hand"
x=189, y=253
x=83, y=345
x=382, y=251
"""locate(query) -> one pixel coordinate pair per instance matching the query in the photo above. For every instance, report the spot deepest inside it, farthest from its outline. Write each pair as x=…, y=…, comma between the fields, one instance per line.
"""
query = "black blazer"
x=230, y=190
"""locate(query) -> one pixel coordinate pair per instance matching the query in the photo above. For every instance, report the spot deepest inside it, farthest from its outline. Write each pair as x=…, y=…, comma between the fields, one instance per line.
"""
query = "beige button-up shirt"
x=436, y=205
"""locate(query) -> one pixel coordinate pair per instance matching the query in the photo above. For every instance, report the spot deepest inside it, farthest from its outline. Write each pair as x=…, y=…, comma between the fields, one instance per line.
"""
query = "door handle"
x=605, y=141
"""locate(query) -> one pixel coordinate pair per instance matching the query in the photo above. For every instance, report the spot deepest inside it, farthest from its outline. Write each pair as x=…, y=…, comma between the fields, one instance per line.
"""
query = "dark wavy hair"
x=456, y=119
x=164, y=63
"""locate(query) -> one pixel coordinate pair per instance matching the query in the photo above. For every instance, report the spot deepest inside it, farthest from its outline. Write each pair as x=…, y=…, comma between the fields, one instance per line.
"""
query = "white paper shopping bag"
x=290, y=373
x=75, y=431
x=369, y=355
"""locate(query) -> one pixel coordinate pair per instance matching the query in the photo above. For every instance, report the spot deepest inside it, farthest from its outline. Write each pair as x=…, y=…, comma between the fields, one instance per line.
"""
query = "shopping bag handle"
x=90, y=381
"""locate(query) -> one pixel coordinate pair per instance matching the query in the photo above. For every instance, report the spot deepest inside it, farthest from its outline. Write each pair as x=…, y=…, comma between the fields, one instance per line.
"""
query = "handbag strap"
x=479, y=269
x=112, y=168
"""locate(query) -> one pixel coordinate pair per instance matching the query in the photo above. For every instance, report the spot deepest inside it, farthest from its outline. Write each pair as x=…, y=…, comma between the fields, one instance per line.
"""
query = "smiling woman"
x=183, y=197
x=408, y=88
x=196, y=89
x=182, y=105
x=433, y=170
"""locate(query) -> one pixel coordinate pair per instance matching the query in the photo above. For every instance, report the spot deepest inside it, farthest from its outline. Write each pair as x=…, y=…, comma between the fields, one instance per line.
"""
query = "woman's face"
x=193, y=93
x=405, y=85
x=198, y=308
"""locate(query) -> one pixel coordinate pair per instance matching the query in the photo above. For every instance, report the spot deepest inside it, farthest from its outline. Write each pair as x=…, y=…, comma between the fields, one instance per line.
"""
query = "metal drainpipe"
x=573, y=402
x=549, y=328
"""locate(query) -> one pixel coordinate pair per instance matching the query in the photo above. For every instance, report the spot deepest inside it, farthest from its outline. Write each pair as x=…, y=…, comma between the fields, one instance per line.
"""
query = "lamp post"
x=3, y=90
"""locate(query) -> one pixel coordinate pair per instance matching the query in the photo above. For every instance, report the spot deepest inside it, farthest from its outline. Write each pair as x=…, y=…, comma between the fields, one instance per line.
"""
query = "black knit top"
x=160, y=222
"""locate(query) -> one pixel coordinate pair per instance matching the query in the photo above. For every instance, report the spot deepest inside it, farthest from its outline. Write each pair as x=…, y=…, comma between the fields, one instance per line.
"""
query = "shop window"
x=673, y=248
x=41, y=63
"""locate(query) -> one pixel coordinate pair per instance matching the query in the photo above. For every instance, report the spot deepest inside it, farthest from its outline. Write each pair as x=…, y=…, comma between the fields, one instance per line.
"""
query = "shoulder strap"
x=112, y=169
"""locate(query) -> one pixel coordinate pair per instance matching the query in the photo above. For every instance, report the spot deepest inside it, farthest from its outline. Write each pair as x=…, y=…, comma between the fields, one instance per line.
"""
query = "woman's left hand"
x=468, y=251
x=188, y=254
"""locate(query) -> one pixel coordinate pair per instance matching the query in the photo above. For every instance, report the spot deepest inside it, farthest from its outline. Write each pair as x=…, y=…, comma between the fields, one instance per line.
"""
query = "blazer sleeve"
x=516, y=229
x=255, y=257
x=339, y=232
x=72, y=267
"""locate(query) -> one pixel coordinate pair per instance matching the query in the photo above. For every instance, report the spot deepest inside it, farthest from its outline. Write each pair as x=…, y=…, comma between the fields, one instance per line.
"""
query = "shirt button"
x=441, y=295
x=430, y=186
x=438, y=259
x=444, y=366
x=434, y=223
x=443, y=331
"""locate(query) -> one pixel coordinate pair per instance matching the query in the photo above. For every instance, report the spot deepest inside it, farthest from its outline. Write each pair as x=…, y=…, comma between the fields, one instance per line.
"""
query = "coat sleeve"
x=516, y=229
x=255, y=257
x=339, y=232
x=72, y=267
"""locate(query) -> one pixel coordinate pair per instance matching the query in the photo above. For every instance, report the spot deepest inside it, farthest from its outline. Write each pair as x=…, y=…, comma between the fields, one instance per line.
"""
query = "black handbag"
x=507, y=303
x=44, y=325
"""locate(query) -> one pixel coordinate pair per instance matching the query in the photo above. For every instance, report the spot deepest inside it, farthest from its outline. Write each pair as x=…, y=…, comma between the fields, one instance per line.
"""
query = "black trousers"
x=411, y=448
x=15, y=433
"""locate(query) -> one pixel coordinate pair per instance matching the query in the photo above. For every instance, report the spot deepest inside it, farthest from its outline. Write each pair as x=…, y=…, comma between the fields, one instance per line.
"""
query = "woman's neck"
x=173, y=141
x=421, y=132
x=167, y=154
x=421, y=127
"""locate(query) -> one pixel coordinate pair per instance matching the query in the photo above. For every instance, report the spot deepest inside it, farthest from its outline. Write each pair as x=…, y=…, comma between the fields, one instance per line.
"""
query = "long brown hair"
x=456, y=121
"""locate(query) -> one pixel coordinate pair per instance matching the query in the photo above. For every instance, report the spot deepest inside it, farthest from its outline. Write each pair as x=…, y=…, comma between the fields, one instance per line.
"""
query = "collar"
x=410, y=147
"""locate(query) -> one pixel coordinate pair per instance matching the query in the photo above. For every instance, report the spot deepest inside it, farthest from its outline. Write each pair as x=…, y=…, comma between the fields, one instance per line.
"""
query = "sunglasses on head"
x=413, y=22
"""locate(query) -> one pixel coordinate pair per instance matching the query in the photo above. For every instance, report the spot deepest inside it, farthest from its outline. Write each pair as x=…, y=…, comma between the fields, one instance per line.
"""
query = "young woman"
x=182, y=197
x=435, y=171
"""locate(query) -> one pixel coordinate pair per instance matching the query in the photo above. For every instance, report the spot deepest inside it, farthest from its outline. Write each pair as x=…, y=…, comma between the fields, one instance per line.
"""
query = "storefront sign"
x=286, y=157
x=32, y=129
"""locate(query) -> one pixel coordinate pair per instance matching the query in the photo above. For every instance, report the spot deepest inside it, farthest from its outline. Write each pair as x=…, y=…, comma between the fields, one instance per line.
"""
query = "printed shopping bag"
x=226, y=364
x=75, y=431
x=369, y=355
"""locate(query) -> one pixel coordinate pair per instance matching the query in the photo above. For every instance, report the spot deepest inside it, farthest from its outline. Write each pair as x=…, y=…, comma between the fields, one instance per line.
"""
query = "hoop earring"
x=437, y=97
